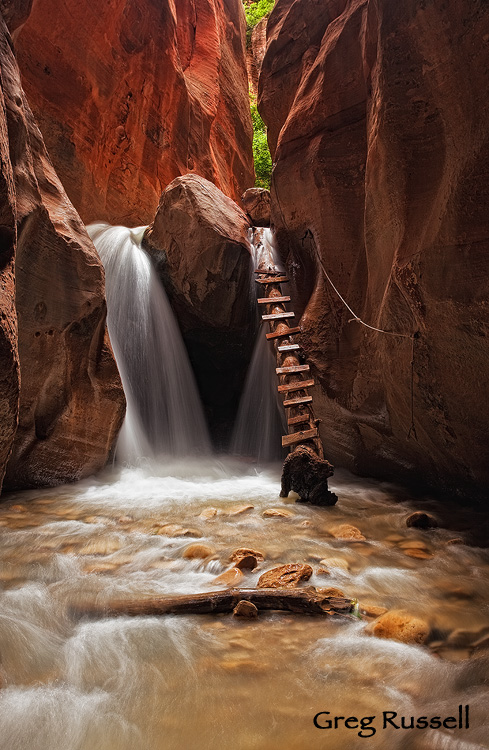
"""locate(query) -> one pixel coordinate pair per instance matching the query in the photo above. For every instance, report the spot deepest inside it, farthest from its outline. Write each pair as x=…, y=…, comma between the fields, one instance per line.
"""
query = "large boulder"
x=132, y=93
x=377, y=119
x=199, y=241
x=71, y=400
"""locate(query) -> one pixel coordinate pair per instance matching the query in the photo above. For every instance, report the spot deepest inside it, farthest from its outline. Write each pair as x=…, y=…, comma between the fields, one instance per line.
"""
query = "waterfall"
x=261, y=417
x=164, y=415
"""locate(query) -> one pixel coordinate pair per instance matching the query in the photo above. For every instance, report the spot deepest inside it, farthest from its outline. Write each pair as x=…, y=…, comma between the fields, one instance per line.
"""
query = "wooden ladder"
x=294, y=376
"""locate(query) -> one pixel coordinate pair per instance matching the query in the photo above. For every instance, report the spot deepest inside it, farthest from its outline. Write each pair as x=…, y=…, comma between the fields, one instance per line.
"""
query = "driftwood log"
x=306, y=601
x=305, y=469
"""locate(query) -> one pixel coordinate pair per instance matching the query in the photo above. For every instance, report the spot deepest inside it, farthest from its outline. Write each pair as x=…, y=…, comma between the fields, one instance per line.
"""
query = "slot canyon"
x=244, y=310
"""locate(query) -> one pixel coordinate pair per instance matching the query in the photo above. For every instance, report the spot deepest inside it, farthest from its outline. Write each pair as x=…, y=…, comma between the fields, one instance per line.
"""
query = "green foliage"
x=254, y=11
x=261, y=152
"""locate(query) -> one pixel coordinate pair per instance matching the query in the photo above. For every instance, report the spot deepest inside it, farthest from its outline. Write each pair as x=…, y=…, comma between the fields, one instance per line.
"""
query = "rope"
x=412, y=336
x=355, y=318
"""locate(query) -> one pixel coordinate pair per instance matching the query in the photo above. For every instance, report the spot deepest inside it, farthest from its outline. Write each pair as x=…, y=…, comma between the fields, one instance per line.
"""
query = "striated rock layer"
x=199, y=241
x=377, y=116
x=71, y=400
x=130, y=94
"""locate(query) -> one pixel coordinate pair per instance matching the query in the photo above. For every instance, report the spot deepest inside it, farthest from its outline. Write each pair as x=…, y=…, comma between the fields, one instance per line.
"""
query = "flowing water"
x=261, y=422
x=164, y=414
x=206, y=682
x=68, y=682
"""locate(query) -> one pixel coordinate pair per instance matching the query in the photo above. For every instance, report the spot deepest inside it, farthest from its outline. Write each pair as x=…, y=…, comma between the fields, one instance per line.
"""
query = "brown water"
x=202, y=682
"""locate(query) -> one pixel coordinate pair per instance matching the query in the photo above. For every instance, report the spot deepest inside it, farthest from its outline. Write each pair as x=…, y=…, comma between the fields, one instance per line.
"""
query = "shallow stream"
x=202, y=682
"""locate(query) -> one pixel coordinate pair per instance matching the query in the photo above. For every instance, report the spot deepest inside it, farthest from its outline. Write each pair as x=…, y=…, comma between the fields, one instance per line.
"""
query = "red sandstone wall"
x=131, y=94
x=60, y=414
x=377, y=114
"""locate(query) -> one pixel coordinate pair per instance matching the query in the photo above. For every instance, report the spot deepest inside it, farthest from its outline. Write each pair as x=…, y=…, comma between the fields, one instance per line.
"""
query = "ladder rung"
x=288, y=347
x=284, y=334
x=297, y=401
x=299, y=437
x=270, y=271
x=294, y=368
x=298, y=386
x=278, y=316
x=300, y=419
x=273, y=280
x=272, y=300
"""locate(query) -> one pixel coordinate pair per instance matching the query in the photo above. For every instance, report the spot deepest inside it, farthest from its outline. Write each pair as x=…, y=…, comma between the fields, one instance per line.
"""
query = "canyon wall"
x=60, y=415
x=130, y=94
x=377, y=114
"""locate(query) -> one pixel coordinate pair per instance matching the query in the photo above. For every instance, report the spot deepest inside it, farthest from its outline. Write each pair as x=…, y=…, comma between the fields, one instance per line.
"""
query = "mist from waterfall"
x=260, y=423
x=164, y=415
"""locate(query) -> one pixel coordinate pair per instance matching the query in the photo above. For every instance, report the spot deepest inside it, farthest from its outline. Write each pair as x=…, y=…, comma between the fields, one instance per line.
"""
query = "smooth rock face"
x=71, y=399
x=377, y=114
x=199, y=241
x=132, y=93
x=256, y=203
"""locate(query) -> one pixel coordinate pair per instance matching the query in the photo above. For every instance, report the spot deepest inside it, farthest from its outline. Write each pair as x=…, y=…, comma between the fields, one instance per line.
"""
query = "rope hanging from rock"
x=411, y=336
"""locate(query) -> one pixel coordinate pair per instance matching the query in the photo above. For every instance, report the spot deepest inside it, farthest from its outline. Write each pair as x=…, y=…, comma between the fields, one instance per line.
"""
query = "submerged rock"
x=347, y=532
x=198, y=551
x=229, y=578
x=277, y=513
x=285, y=576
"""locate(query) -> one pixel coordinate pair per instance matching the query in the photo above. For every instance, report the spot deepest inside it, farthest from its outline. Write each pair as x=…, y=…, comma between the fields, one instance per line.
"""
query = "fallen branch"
x=307, y=601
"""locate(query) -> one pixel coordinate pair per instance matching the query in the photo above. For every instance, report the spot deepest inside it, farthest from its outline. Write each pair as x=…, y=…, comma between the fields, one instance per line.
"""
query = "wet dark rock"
x=307, y=474
x=421, y=520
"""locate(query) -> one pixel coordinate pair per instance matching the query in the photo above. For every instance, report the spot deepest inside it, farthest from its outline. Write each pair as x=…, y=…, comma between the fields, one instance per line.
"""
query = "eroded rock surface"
x=199, y=241
x=71, y=400
x=377, y=115
x=285, y=576
x=131, y=94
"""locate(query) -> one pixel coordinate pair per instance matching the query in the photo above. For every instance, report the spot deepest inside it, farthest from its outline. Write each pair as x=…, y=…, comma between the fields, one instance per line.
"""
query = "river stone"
x=198, y=551
x=335, y=562
x=238, y=510
x=208, y=513
x=331, y=591
x=246, y=558
x=399, y=625
x=413, y=544
x=100, y=546
x=285, y=576
x=347, y=532
x=277, y=513
x=245, y=609
x=372, y=610
x=418, y=554
x=229, y=578
x=421, y=520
